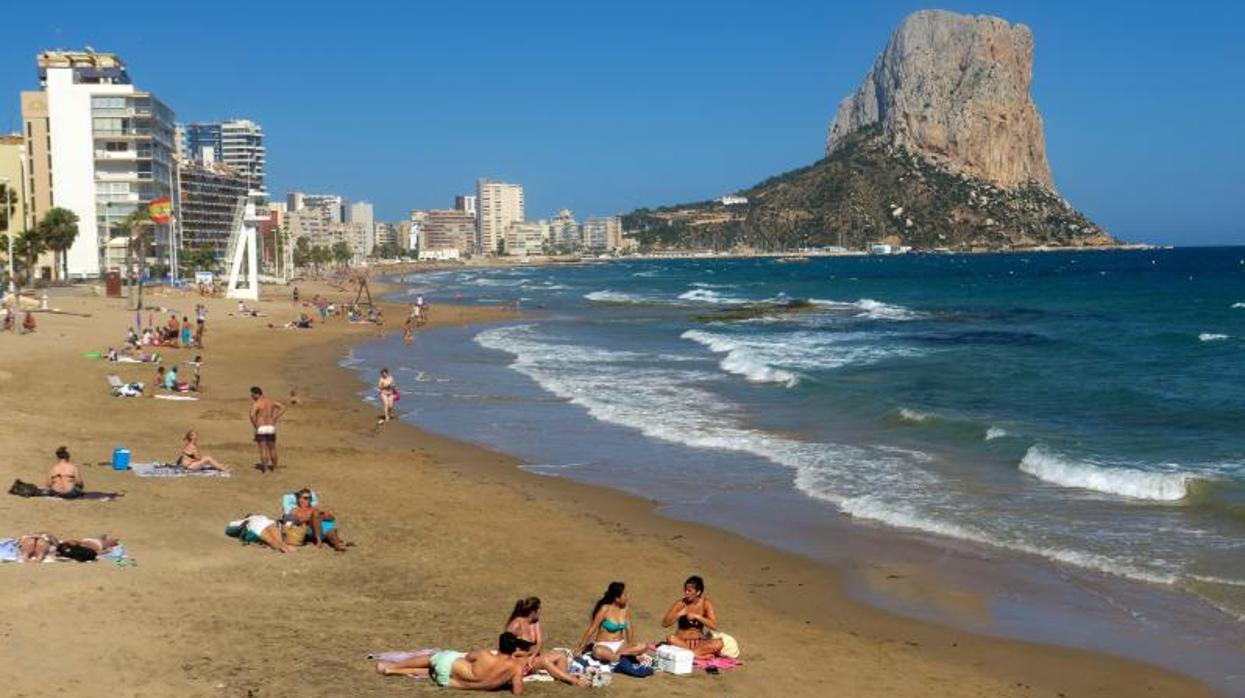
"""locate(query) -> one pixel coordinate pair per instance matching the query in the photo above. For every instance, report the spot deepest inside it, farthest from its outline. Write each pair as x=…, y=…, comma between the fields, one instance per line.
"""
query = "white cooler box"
x=674, y=660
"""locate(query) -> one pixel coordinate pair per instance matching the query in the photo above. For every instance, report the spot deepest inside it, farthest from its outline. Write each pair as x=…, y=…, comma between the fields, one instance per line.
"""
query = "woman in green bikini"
x=611, y=632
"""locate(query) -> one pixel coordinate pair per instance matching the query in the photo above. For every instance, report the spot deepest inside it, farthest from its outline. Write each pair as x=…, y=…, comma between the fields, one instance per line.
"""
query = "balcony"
x=122, y=133
x=122, y=155
x=105, y=176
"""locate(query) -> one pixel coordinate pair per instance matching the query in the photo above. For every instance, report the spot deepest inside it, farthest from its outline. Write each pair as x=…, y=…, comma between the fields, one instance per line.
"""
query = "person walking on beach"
x=295, y=296
x=408, y=331
x=264, y=415
x=200, y=323
x=388, y=395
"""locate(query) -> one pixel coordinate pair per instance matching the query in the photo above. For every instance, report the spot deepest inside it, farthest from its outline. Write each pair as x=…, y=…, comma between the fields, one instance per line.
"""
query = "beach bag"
x=24, y=489
x=630, y=667
x=397, y=396
x=295, y=534
x=730, y=646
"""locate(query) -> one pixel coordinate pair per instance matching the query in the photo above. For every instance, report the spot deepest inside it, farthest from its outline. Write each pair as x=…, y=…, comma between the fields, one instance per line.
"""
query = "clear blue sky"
x=604, y=109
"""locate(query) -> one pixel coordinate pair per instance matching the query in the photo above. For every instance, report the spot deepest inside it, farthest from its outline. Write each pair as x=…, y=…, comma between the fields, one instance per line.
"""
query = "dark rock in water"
x=755, y=310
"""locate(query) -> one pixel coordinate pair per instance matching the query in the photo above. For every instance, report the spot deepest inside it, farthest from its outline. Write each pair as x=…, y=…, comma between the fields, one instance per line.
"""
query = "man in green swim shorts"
x=477, y=670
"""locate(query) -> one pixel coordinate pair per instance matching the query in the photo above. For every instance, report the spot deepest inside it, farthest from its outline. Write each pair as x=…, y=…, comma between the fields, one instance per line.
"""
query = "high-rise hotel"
x=98, y=146
x=237, y=143
x=497, y=206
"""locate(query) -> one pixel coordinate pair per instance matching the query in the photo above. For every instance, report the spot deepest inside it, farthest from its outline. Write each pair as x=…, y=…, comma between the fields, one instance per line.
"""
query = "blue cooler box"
x=121, y=459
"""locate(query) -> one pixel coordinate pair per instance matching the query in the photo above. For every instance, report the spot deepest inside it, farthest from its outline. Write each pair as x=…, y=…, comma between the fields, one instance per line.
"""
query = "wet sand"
x=447, y=536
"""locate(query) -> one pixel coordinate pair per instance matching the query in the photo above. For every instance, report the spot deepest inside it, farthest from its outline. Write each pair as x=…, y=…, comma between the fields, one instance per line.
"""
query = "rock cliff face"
x=940, y=148
x=954, y=89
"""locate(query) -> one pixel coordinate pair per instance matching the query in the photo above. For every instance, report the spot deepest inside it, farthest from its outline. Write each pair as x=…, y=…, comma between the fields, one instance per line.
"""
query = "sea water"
x=1083, y=409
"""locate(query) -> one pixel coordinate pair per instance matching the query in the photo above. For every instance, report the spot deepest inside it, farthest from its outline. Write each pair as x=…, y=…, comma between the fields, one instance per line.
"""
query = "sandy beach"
x=447, y=536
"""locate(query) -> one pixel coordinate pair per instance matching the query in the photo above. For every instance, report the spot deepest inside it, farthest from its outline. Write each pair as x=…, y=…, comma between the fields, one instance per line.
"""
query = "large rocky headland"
x=941, y=146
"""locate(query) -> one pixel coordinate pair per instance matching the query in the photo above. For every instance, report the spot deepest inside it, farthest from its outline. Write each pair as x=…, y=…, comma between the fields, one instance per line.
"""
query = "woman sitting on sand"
x=524, y=622
x=257, y=528
x=192, y=458
x=696, y=618
x=611, y=632
x=322, y=525
x=64, y=479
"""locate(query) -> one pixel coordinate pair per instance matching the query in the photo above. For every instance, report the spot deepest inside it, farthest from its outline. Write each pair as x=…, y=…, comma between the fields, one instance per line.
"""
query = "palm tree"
x=341, y=252
x=27, y=247
x=135, y=226
x=59, y=229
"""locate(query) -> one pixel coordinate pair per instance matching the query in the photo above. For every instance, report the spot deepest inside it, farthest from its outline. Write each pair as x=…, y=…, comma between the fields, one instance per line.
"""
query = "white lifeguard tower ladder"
x=244, y=247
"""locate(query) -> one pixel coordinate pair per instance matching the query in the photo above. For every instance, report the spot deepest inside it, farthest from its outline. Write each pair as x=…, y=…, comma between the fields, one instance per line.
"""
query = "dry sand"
x=448, y=536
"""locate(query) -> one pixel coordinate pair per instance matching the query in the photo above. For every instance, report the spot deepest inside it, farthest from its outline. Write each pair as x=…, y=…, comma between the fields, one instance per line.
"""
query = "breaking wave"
x=871, y=309
x=1211, y=337
x=1122, y=482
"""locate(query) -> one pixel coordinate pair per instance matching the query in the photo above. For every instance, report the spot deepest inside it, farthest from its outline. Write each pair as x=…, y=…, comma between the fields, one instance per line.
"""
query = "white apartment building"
x=603, y=234
x=564, y=232
x=498, y=205
x=360, y=213
x=526, y=238
x=238, y=143
x=466, y=204
x=107, y=149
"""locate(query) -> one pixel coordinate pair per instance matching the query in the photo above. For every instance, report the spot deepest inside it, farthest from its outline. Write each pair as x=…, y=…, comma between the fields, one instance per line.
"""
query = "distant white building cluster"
x=96, y=144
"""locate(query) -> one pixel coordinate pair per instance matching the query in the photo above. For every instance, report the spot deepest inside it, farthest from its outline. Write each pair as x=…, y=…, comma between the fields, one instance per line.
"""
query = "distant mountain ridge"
x=941, y=146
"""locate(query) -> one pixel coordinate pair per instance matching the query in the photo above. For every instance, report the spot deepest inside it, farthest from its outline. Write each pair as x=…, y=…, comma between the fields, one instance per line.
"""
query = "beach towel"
x=175, y=397
x=10, y=552
x=171, y=470
x=403, y=656
x=719, y=663
x=122, y=389
x=88, y=496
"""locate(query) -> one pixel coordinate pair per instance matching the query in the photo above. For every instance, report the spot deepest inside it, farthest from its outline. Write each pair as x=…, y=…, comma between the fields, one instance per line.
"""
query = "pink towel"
x=719, y=663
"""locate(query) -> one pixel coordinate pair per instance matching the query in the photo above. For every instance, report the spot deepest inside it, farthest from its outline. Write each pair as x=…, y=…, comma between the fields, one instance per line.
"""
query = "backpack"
x=25, y=489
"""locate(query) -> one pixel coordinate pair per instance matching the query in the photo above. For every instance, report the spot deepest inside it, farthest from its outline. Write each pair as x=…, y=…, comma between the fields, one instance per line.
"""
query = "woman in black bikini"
x=192, y=458
x=696, y=618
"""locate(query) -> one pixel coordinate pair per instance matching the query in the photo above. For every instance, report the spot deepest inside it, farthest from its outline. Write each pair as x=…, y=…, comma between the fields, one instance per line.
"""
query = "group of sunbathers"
x=304, y=520
x=36, y=547
x=609, y=637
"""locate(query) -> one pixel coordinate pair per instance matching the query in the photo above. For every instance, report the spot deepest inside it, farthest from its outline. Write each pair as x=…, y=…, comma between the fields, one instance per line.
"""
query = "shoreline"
x=645, y=514
x=437, y=560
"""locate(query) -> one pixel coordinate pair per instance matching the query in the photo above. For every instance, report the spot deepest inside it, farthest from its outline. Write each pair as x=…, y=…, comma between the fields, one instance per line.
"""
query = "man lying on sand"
x=477, y=670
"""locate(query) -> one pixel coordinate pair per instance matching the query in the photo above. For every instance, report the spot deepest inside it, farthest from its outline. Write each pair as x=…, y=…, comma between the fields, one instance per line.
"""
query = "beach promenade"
x=447, y=536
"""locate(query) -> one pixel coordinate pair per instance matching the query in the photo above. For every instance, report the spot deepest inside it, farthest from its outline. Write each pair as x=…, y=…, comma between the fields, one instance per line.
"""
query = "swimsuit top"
x=610, y=626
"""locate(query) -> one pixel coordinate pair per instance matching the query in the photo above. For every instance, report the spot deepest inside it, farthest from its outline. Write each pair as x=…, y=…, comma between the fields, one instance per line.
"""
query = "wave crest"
x=1211, y=337
x=1122, y=482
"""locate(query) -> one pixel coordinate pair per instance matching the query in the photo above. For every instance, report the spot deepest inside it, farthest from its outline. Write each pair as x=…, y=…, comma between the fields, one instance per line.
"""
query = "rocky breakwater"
x=941, y=146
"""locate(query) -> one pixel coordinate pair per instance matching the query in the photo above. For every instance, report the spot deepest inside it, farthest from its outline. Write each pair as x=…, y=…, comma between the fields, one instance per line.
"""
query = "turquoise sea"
x=1078, y=413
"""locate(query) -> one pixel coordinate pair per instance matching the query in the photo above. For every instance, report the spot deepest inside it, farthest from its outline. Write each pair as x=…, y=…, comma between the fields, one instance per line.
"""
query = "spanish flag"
x=160, y=210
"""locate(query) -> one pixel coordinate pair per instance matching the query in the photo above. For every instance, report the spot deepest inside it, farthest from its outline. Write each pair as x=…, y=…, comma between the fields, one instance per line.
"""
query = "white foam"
x=704, y=295
x=740, y=360
x=995, y=433
x=608, y=296
x=1122, y=482
x=701, y=284
x=1211, y=337
x=870, y=309
x=675, y=404
x=1238, y=306
x=912, y=415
